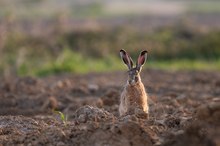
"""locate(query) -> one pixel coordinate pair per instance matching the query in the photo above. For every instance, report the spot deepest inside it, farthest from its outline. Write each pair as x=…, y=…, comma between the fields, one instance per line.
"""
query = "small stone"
x=93, y=87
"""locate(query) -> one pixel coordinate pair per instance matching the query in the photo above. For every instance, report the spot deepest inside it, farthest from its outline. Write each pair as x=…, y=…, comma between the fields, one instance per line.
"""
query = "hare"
x=133, y=96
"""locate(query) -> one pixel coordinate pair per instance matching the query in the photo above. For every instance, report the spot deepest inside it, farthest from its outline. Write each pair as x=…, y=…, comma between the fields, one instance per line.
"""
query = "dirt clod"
x=89, y=113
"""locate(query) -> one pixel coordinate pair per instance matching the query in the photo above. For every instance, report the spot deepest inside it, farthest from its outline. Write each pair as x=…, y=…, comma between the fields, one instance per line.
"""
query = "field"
x=35, y=43
x=61, y=74
x=184, y=110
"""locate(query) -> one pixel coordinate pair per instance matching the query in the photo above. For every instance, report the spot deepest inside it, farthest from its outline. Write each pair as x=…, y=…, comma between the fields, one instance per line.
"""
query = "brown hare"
x=134, y=96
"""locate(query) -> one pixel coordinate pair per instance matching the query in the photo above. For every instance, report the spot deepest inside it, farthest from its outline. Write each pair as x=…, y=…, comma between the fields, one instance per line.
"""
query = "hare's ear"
x=126, y=58
x=142, y=59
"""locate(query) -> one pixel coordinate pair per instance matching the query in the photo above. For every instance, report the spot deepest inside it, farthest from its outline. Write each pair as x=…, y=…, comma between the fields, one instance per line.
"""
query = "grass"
x=72, y=62
x=69, y=61
x=63, y=117
x=185, y=64
x=104, y=66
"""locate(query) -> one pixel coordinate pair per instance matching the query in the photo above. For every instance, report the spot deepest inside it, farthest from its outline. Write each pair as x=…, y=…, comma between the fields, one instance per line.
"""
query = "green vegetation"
x=69, y=61
x=174, y=48
x=185, y=64
x=40, y=38
x=62, y=117
x=78, y=65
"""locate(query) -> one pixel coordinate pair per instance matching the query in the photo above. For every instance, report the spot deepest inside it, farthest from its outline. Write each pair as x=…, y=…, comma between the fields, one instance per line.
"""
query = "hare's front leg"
x=122, y=106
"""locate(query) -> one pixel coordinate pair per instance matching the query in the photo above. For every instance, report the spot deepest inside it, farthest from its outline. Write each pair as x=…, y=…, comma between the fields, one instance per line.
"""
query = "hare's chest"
x=135, y=96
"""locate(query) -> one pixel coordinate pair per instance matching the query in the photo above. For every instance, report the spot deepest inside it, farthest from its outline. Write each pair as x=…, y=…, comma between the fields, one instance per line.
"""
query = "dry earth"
x=184, y=110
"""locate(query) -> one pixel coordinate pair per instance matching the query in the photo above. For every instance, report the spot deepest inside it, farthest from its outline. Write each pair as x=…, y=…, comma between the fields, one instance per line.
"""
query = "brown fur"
x=133, y=97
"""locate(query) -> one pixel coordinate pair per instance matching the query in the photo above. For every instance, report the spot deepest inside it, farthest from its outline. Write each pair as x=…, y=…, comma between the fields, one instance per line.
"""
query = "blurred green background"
x=43, y=37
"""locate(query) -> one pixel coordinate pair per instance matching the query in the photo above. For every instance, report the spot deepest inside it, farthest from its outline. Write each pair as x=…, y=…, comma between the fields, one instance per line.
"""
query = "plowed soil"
x=184, y=110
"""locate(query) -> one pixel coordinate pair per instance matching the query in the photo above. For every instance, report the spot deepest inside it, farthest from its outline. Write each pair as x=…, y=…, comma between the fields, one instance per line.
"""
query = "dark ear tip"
x=122, y=50
x=144, y=52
